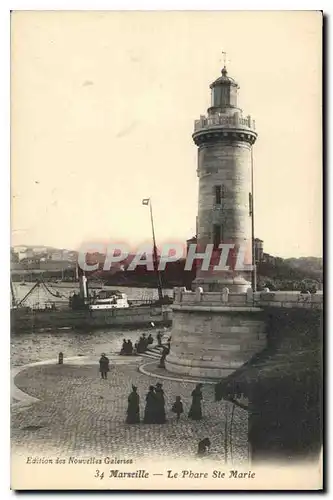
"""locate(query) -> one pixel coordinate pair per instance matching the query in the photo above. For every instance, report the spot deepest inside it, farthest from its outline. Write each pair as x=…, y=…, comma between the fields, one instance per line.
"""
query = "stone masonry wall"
x=214, y=344
x=226, y=163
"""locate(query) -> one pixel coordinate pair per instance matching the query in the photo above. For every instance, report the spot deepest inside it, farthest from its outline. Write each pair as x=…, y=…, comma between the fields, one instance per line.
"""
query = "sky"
x=102, y=114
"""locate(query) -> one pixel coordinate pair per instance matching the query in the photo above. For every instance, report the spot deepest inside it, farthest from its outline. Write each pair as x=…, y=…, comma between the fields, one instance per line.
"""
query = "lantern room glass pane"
x=221, y=96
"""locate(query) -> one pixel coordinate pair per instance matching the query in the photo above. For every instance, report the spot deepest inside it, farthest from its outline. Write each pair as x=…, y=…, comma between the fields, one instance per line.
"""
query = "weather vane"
x=224, y=58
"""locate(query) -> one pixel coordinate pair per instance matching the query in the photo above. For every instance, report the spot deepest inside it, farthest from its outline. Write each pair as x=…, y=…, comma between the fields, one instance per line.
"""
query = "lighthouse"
x=225, y=138
x=217, y=326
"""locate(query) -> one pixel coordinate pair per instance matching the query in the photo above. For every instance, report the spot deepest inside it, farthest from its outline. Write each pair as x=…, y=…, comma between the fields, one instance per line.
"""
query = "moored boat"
x=108, y=300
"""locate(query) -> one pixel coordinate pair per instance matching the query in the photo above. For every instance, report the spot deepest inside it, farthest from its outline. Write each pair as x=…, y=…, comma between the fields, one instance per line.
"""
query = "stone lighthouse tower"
x=218, y=327
x=224, y=138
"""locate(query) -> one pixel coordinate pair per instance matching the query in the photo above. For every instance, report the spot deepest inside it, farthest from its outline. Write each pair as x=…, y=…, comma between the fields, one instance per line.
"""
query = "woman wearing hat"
x=195, y=412
x=150, y=410
x=133, y=409
x=160, y=404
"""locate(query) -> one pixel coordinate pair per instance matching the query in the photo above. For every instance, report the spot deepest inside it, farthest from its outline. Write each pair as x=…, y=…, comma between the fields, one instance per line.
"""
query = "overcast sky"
x=103, y=106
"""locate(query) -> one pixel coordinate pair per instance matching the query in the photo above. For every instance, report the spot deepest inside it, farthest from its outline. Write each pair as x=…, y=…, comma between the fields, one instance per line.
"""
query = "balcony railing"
x=218, y=119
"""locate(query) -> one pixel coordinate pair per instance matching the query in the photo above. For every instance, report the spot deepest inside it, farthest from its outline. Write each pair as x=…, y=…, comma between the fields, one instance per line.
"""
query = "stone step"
x=151, y=355
x=146, y=355
x=156, y=348
x=155, y=351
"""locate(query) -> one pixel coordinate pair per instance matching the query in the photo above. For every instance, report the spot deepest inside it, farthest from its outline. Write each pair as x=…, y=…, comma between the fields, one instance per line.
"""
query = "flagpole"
x=159, y=282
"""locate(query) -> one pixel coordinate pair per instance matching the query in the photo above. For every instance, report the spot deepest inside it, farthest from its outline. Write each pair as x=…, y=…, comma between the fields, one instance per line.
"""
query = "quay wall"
x=215, y=333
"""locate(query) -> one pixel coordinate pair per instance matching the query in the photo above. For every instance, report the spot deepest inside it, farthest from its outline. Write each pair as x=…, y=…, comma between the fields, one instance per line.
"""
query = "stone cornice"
x=220, y=134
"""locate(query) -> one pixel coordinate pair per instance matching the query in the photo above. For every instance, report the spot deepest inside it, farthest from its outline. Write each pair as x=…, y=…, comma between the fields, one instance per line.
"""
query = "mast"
x=13, y=293
x=147, y=201
x=36, y=285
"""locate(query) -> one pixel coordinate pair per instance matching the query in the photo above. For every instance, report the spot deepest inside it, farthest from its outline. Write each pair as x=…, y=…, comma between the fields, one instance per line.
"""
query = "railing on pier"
x=262, y=299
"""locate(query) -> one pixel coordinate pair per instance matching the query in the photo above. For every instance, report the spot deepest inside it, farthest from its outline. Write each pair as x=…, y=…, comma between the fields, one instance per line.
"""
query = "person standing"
x=129, y=347
x=133, y=409
x=141, y=343
x=104, y=366
x=160, y=404
x=150, y=339
x=123, y=348
x=144, y=342
x=195, y=412
x=150, y=409
x=177, y=407
x=165, y=352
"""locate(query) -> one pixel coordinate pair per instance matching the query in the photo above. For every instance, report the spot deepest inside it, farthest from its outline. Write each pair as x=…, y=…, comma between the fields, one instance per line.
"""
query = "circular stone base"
x=213, y=344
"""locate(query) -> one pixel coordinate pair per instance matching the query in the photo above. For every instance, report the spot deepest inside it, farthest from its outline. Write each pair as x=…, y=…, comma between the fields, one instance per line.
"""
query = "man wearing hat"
x=104, y=366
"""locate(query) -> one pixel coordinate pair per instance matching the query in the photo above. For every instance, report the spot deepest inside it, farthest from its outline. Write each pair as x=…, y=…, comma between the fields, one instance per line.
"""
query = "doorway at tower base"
x=211, y=339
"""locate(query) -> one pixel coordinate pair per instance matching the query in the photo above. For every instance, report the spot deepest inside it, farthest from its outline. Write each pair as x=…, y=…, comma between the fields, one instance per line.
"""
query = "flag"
x=145, y=201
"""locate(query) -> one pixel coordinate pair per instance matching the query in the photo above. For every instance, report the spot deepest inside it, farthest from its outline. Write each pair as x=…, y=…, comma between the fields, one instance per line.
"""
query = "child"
x=203, y=446
x=177, y=407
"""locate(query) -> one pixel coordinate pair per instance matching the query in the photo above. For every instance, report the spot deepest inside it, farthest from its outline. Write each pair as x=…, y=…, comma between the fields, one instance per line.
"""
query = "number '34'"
x=99, y=474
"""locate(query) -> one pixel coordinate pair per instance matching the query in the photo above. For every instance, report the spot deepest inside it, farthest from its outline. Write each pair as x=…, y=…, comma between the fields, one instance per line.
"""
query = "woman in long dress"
x=133, y=409
x=195, y=412
x=150, y=410
x=160, y=404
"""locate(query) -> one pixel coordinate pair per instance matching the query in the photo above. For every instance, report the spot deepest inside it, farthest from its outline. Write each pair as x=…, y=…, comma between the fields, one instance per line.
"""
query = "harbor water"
x=28, y=347
x=31, y=347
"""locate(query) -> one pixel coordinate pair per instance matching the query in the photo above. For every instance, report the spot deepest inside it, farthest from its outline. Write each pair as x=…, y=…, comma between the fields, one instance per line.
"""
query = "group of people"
x=127, y=348
x=140, y=346
x=143, y=343
x=155, y=406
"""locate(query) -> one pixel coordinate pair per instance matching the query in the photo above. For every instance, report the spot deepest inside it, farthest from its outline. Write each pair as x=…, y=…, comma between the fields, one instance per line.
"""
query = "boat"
x=111, y=299
x=104, y=309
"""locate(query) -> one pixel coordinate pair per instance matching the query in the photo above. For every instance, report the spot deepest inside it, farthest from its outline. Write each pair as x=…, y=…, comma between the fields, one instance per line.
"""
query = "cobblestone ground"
x=80, y=414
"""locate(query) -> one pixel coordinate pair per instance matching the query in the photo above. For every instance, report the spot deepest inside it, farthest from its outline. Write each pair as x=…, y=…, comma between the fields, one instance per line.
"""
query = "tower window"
x=217, y=235
x=218, y=194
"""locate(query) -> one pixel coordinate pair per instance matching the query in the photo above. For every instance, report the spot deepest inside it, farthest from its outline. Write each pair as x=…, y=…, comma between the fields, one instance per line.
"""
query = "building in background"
x=25, y=254
x=258, y=250
x=39, y=250
x=191, y=241
x=269, y=259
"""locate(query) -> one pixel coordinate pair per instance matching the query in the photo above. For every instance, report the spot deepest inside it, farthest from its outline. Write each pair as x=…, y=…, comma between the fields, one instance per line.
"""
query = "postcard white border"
x=5, y=7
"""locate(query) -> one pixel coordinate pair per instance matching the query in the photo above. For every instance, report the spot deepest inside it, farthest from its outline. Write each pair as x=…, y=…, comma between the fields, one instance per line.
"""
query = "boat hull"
x=132, y=317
